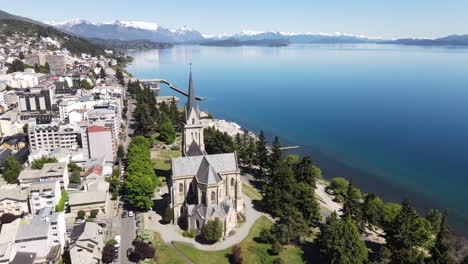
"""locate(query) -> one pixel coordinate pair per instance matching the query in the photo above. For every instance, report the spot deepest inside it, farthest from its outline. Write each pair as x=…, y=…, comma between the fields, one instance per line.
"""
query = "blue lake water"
x=394, y=118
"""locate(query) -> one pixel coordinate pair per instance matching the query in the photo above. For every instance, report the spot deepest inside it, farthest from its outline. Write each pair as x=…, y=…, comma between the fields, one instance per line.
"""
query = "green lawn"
x=252, y=251
x=251, y=192
x=162, y=161
x=165, y=254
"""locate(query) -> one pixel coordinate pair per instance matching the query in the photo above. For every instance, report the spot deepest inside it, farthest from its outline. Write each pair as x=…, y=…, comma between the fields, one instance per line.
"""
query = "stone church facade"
x=203, y=187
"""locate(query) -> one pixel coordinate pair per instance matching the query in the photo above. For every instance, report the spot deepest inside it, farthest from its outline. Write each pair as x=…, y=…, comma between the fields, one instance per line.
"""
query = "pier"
x=158, y=81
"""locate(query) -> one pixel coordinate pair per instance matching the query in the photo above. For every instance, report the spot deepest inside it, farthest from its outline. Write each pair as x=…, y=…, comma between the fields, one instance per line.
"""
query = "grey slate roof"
x=191, y=102
x=194, y=150
x=189, y=166
x=206, y=173
x=18, y=194
x=207, y=212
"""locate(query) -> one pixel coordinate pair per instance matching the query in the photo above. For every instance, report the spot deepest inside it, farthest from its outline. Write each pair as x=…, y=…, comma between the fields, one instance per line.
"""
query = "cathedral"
x=203, y=187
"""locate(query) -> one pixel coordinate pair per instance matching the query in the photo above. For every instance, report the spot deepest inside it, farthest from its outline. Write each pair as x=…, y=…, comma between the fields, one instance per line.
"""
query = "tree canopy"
x=11, y=170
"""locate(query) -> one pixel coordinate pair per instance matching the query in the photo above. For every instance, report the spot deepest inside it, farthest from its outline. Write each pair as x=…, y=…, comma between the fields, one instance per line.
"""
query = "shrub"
x=94, y=213
x=276, y=248
x=80, y=214
x=60, y=207
x=145, y=235
x=39, y=163
x=241, y=218
x=191, y=234
x=108, y=254
x=237, y=255
x=212, y=231
x=111, y=243
x=339, y=198
x=168, y=217
x=141, y=251
x=147, y=261
x=265, y=236
x=339, y=185
x=278, y=261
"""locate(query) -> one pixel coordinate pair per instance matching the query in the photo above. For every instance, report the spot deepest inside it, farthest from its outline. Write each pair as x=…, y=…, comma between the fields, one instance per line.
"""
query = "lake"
x=394, y=118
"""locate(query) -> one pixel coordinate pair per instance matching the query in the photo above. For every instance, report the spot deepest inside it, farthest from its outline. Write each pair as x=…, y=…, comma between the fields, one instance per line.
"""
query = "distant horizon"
x=386, y=20
x=246, y=31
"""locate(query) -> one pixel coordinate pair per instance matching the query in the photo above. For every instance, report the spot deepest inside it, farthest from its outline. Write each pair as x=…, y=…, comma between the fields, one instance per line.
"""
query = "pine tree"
x=307, y=203
x=440, y=251
x=304, y=171
x=404, y=235
x=340, y=241
x=262, y=154
x=279, y=191
x=351, y=206
x=274, y=159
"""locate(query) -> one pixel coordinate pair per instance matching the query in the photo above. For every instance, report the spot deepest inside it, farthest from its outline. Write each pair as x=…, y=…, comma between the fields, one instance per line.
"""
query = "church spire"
x=191, y=102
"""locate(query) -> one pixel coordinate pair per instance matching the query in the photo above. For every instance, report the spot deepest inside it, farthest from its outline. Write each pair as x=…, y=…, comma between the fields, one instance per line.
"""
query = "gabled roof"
x=189, y=166
x=194, y=150
x=206, y=173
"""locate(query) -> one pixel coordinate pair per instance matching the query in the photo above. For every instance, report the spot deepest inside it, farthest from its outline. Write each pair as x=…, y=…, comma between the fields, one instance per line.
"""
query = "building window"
x=181, y=187
x=213, y=196
x=232, y=182
x=193, y=121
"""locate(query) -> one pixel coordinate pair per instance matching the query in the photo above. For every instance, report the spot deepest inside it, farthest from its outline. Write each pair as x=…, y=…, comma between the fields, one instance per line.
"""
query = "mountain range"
x=135, y=30
x=130, y=31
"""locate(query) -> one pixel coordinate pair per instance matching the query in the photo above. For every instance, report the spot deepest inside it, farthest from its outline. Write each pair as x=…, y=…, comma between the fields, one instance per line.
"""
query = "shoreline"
x=363, y=179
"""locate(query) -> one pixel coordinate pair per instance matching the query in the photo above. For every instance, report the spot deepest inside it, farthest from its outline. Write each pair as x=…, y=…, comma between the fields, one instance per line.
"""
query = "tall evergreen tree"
x=340, y=241
x=352, y=207
x=262, y=153
x=307, y=203
x=290, y=227
x=372, y=210
x=274, y=159
x=279, y=191
x=440, y=251
x=405, y=235
x=304, y=171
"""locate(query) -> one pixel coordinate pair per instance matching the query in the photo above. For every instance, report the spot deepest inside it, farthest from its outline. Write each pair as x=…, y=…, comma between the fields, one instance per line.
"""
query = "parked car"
x=124, y=214
x=117, y=240
x=120, y=205
x=138, y=223
x=129, y=251
x=330, y=191
x=101, y=224
x=130, y=214
x=80, y=221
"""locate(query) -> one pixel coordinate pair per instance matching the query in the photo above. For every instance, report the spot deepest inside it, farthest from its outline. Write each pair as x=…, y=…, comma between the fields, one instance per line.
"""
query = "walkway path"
x=170, y=232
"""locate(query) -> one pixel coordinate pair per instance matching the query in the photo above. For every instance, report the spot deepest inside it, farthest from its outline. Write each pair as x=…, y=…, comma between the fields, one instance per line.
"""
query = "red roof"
x=92, y=129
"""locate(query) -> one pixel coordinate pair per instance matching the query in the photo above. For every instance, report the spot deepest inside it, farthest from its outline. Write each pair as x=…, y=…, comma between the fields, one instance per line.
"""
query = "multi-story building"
x=44, y=194
x=52, y=135
x=38, y=98
x=88, y=246
x=13, y=200
x=102, y=142
x=50, y=172
x=42, y=234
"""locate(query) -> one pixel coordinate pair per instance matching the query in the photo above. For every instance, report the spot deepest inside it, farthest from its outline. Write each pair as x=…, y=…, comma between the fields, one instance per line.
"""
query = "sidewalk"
x=170, y=232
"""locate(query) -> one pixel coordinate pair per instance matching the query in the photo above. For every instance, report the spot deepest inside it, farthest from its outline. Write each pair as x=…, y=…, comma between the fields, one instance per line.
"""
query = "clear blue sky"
x=385, y=18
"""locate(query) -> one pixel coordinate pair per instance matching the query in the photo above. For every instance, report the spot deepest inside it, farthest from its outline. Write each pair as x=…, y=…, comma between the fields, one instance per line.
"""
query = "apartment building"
x=52, y=135
x=50, y=172
x=44, y=194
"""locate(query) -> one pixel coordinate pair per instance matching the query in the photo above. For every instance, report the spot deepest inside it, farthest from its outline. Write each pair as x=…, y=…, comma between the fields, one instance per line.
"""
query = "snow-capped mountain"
x=128, y=30
x=297, y=37
x=139, y=30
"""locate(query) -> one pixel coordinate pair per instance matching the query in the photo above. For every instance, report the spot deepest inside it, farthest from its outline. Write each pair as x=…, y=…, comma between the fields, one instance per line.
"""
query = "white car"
x=130, y=214
x=80, y=221
x=117, y=240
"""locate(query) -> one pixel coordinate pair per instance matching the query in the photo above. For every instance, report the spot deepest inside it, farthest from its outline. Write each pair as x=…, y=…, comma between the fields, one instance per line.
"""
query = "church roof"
x=207, y=213
x=206, y=174
x=191, y=102
x=194, y=150
x=189, y=166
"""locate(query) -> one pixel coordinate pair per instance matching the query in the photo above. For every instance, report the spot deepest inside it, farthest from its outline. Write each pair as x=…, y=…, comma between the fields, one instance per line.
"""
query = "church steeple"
x=191, y=102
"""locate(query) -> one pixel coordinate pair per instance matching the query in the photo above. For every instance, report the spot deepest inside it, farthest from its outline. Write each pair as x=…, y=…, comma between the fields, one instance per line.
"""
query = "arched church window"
x=213, y=196
x=193, y=121
x=181, y=187
x=232, y=182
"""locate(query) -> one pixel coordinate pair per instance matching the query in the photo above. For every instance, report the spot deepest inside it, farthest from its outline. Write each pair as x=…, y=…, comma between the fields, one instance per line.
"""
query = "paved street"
x=127, y=235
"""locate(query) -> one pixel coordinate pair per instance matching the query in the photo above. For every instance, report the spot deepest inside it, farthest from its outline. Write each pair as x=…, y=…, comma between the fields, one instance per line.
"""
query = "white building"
x=42, y=234
x=44, y=194
x=50, y=172
x=53, y=135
